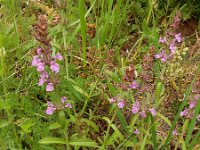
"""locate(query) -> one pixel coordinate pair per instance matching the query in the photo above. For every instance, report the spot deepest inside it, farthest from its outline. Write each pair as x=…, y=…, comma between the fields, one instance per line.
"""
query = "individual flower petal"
x=58, y=56
x=134, y=85
x=68, y=105
x=40, y=66
x=44, y=75
x=63, y=99
x=157, y=56
x=136, y=132
x=41, y=82
x=178, y=37
x=184, y=113
x=35, y=60
x=50, y=108
x=142, y=114
x=162, y=40
x=135, y=107
x=54, y=67
x=120, y=104
x=49, y=87
x=192, y=104
x=39, y=49
x=172, y=47
x=164, y=58
x=174, y=132
x=112, y=100
x=153, y=111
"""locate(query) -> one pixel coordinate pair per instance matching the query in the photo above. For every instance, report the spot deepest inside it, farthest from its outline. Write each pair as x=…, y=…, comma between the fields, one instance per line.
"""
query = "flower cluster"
x=171, y=41
x=51, y=108
x=137, y=110
x=188, y=112
x=43, y=61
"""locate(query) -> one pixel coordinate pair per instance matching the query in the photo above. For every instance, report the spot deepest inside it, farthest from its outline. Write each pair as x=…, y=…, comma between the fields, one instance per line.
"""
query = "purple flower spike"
x=58, y=56
x=49, y=87
x=63, y=99
x=68, y=105
x=136, y=132
x=142, y=114
x=184, y=113
x=50, y=108
x=153, y=111
x=135, y=107
x=134, y=85
x=54, y=67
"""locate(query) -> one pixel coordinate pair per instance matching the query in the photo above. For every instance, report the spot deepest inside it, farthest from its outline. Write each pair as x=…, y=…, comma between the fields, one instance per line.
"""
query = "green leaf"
x=82, y=142
x=54, y=125
x=92, y=124
x=122, y=120
x=52, y=140
x=164, y=118
x=4, y=123
x=78, y=89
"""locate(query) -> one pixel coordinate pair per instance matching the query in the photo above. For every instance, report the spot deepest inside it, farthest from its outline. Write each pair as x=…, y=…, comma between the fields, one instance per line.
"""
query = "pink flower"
x=135, y=107
x=50, y=108
x=153, y=111
x=192, y=104
x=39, y=49
x=174, y=132
x=44, y=75
x=58, y=56
x=40, y=66
x=172, y=47
x=43, y=78
x=35, y=61
x=162, y=40
x=157, y=56
x=134, y=85
x=164, y=58
x=63, y=99
x=142, y=114
x=54, y=67
x=136, y=132
x=112, y=100
x=178, y=37
x=68, y=105
x=184, y=113
x=120, y=104
x=41, y=82
x=49, y=87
